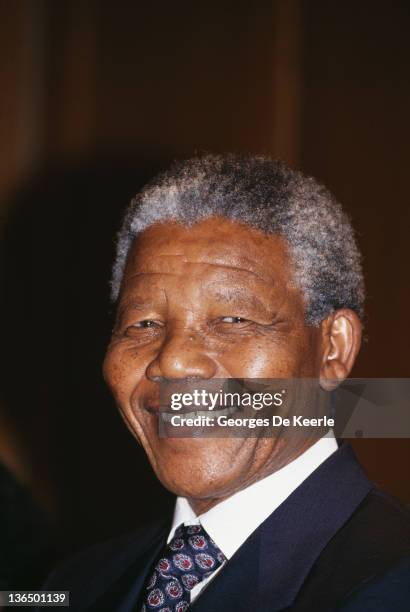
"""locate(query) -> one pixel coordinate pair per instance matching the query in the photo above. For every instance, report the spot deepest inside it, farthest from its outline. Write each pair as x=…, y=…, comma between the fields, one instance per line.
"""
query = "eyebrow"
x=133, y=304
x=238, y=296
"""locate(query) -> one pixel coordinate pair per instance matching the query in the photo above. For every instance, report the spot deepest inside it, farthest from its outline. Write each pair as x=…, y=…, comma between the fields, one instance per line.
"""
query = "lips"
x=151, y=407
x=150, y=401
x=167, y=413
x=156, y=401
x=154, y=407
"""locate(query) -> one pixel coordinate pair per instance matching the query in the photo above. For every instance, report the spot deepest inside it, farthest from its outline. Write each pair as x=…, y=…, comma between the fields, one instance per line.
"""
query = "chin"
x=198, y=490
x=195, y=479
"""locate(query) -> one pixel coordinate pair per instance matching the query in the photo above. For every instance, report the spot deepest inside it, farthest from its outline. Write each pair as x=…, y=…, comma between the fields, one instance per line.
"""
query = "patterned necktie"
x=189, y=557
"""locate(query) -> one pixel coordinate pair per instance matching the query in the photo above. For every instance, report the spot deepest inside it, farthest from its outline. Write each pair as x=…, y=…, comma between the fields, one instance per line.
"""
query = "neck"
x=202, y=505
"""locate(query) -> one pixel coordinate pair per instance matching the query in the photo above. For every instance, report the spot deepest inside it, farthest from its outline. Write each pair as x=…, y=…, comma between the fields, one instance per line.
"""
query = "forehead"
x=215, y=244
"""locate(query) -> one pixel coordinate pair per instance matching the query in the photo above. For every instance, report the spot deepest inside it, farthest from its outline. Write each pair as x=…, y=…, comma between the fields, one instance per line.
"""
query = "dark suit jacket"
x=337, y=543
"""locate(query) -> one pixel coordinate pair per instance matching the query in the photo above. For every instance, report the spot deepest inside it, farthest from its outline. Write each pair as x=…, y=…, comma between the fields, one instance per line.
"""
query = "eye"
x=233, y=325
x=144, y=324
x=147, y=325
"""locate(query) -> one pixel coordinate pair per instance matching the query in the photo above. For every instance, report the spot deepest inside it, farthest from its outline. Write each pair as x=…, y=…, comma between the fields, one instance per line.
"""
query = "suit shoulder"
x=374, y=540
x=380, y=526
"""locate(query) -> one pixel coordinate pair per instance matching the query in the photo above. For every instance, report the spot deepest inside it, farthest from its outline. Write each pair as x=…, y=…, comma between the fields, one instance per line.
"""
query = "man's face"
x=212, y=301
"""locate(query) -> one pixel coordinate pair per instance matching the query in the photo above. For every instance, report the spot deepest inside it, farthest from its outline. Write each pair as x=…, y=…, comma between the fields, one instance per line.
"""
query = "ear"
x=341, y=339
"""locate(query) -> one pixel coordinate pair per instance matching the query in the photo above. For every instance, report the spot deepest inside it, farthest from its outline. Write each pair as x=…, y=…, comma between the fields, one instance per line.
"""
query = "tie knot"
x=192, y=549
x=188, y=530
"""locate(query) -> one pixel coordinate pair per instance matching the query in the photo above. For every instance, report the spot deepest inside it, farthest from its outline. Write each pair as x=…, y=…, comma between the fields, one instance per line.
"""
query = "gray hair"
x=266, y=195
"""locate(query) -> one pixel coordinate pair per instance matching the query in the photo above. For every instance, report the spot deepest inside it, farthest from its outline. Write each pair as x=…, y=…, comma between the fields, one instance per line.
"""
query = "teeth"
x=167, y=416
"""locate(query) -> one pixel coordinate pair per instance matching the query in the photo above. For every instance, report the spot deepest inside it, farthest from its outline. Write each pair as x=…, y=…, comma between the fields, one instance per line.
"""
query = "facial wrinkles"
x=191, y=319
x=187, y=280
x=177, y=278
x=227, y=284
x=183, y=246
x=198, y=269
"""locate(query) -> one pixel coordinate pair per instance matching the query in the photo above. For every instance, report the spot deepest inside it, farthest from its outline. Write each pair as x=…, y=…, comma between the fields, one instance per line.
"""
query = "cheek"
x=121, y=373
x=267, y=358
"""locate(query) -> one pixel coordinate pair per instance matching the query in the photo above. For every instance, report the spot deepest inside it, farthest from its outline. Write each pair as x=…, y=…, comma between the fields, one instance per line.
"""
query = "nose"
x=182, y=356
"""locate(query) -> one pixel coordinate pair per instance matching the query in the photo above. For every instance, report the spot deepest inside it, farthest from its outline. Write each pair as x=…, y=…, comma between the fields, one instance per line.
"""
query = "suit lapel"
x=234, y=587
x=294, y=536
x=268, y=570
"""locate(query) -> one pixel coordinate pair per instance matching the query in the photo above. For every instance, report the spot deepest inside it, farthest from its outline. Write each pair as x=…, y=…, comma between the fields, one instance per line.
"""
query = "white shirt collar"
x=232, y=521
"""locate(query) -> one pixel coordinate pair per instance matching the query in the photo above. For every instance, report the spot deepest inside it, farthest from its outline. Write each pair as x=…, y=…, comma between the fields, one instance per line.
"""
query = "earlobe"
x=341, y=337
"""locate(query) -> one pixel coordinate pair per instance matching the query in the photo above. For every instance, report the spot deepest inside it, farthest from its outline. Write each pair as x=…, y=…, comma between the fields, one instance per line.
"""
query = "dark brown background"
x=98, y=96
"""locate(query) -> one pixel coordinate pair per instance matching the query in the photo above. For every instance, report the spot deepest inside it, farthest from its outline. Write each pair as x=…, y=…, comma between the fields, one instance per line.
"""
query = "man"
x=236, y=267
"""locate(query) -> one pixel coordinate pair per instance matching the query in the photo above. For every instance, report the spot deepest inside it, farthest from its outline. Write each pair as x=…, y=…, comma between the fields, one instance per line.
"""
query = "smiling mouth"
x=167, y=413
